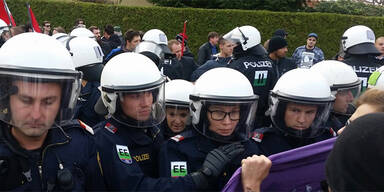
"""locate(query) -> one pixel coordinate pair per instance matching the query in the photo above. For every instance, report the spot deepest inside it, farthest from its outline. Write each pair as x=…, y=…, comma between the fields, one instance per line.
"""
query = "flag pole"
x=6, y=10
x=183, y=38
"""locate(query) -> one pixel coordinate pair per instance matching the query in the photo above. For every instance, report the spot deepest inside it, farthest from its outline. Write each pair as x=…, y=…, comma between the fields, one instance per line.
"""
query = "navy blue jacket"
x=271, y=140
x=261, y=74
x=129, y=159
x=85, y=105
x=210, y=64
x=187, y=152
x=72, y=146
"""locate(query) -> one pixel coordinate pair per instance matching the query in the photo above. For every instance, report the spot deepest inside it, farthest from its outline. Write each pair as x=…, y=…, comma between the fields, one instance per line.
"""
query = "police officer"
x=88, y=57
x=41, y=149
x=250, y=58
x=177, y=118
x=345, y=86
x=155, y=47
x=128, y=141
x=222, y=107
x=360, y=51
x=300, y=103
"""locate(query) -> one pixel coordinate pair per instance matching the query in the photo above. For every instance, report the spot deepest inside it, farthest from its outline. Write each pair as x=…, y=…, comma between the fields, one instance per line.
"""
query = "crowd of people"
x=137, y=112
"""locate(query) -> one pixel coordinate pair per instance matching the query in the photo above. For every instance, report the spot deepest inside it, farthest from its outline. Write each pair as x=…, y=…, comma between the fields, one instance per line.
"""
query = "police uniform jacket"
x=271, y=140
x=364, y=66
x=186, y=152
x=86, y=102
x=129, y=158
x=260, y=72
x=67, y=161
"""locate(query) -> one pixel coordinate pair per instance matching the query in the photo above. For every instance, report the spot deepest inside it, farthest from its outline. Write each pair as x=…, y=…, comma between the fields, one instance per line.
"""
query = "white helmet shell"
x=157, y=36
x=303, y=84
x=247, y=36
x=177, y=92
x=127, y=72
x=62, y=37
x=3, y=26
x=81, y=31
x=84, y=51
x=376, y=80
x=338, y=74
x=359, y=39
x=57, y=57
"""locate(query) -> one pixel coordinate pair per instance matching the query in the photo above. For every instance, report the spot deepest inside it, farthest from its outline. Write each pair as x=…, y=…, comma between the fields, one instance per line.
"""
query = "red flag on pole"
x=5, y=14
x=32, y=18
x=184, y=34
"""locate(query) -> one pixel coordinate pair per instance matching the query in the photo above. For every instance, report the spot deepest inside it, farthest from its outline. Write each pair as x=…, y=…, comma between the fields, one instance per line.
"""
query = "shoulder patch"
x=110, y=128
x=258, y=137
x=86, y=127
x=178, y=138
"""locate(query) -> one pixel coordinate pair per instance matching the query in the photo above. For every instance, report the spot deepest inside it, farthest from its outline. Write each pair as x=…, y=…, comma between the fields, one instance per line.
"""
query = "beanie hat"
x=276, y=43
x=356, y=160
x=280, y=32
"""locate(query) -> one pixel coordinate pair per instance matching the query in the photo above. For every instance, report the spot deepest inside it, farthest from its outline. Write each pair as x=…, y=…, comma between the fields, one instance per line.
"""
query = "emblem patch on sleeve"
x=178, y=169
x=260, y=78
x=123, y=153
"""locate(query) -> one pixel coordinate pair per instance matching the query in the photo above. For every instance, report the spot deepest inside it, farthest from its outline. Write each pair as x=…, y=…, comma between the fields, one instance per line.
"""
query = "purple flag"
x=300, y=169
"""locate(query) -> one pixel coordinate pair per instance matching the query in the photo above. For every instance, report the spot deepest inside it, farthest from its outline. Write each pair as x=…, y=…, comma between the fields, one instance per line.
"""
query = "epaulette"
x=183, y=135
x=110, y=128
x=256, y=136
x=76, y=123
x=86, y=127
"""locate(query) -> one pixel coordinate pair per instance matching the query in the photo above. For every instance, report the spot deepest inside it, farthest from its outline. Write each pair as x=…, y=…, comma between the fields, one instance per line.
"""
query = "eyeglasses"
x=47, y=25
x=220, y=115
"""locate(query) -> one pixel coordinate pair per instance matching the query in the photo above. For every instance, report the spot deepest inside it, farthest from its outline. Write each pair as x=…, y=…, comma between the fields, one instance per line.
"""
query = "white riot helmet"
x=47, y=62
x=359, y=40
x=303, y=87
x=177, y=93
x=154, y=41
x=376, y=80
x=87, y=56
x=247, y=36
x=81, y=31
x=62, y=37
x=342, y=80
x=228, y=87
x=127, y=74
x=3, y=26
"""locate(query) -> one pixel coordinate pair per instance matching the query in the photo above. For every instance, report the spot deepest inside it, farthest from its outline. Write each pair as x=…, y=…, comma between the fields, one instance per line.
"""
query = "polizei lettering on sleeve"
x=257, y=64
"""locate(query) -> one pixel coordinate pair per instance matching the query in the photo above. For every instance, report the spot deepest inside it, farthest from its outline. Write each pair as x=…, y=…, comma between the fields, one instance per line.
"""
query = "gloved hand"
x=215, y=163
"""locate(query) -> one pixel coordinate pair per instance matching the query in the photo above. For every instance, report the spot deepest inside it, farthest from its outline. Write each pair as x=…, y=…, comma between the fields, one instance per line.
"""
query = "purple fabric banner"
x=300, y=169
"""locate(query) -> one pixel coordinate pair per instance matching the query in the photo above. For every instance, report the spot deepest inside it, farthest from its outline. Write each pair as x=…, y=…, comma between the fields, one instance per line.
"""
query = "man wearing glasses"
x=47, y=28
x=222, y=112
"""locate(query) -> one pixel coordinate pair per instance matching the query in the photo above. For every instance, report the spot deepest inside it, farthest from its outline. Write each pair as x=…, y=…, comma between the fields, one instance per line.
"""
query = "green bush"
x=272, y=5
x=329, y=27
x=347, y=7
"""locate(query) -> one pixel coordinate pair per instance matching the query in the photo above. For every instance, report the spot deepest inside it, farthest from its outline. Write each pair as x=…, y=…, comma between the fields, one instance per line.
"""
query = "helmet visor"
x=345, y=97
x=34, y=102
x=225, y=121
x=143, y=108
x=299, y=119
x=149, y=46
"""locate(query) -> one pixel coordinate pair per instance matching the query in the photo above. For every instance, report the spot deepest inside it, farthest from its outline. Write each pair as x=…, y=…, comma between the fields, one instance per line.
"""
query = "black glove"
x=215, y=163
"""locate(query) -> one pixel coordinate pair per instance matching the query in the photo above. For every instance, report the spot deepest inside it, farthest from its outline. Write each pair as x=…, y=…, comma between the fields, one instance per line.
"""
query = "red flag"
x=32, y=18
x=5, y=14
